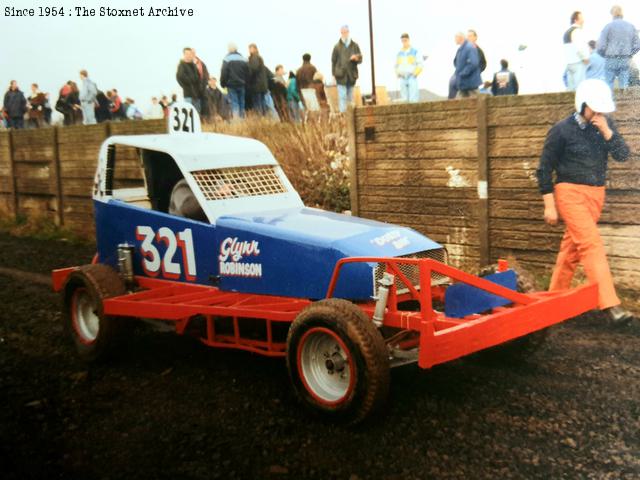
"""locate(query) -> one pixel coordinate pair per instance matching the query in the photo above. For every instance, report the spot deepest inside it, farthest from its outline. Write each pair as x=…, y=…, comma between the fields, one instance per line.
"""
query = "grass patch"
x=40, y=227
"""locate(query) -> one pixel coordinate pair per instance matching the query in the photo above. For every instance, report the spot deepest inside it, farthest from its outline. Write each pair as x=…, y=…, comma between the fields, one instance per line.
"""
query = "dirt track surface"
x=167, y=407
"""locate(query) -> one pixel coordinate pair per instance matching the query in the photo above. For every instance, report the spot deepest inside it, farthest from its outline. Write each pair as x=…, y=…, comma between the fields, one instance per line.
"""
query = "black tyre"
x=337, y=361
x=93, y=333
x=522, y=347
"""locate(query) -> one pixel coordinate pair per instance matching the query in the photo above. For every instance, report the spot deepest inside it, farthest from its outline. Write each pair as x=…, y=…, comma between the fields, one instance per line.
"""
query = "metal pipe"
x=373, y=67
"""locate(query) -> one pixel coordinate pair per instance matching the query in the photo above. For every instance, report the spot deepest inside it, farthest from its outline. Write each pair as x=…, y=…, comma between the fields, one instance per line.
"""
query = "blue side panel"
x=118, y=222
x=462, y=299
x=255, y=260
x=290, y=252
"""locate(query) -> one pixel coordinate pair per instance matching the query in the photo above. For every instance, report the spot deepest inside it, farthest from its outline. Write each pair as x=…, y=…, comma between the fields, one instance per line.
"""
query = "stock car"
x=342, y=299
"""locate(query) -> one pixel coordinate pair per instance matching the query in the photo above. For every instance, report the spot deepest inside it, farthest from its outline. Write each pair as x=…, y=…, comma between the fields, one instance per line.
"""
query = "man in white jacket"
x=88, y=94
x=577, y=52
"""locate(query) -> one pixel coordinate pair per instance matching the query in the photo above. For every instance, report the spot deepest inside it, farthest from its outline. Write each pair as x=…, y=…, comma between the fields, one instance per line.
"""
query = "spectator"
x=279, y=93
x=467, y=68
x=133, y=113
x=408, y=67
x=504, y=81
x=618, y=43
x=268, y=99
x=189, y=79
x=203, y=76
x=304, y=75
x=103, y=108
x=174, y=98
x=155, y=111
x=15, y=106
x=88, y=94
x=164, y=103
x=576, y=52
x=69, y=104
x=318, y=85
x=258, y=80
x=37, y=104
x=472, y=36
x=234, y=76
x=216, y=100
x=293, y=99
x=344, y=67
x=116, y=108
x=595, y=69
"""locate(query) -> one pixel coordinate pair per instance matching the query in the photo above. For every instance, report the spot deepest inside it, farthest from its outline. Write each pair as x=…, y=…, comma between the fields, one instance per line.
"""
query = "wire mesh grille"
x=238, y=182
x=411, y=271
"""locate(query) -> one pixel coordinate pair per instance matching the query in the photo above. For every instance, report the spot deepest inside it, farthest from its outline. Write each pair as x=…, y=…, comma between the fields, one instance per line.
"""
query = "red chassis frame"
x=439, y=338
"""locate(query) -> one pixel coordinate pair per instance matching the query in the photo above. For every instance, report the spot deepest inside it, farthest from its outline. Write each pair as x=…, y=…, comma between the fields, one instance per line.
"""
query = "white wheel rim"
x=325, y=366
x=86, y=320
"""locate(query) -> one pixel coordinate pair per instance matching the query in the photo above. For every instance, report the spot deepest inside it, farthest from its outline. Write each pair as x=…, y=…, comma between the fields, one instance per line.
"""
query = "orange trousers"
x=580, y=207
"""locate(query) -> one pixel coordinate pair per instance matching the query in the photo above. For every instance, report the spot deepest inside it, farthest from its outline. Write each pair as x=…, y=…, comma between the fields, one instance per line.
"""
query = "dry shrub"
x=313, y=155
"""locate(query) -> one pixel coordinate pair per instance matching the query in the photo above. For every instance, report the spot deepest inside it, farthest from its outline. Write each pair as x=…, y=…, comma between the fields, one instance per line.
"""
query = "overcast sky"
x=139, y=55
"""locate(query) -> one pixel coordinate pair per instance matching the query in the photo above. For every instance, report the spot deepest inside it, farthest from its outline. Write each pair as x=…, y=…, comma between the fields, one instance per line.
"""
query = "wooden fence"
x=463, y=173
x=49, y=172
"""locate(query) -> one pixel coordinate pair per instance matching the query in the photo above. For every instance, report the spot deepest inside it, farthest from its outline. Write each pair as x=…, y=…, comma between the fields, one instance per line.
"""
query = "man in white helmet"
x=577, y=149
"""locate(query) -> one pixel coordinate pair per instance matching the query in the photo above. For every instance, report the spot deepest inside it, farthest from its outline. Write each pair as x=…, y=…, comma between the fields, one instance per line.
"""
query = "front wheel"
x=93, y=333
x=337, y=361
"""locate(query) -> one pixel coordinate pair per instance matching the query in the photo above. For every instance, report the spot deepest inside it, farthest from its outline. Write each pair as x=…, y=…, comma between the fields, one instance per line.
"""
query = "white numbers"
x=150, y=254
x=170, y=269
x=183, y=118
x=185, y=240
x=153, y=263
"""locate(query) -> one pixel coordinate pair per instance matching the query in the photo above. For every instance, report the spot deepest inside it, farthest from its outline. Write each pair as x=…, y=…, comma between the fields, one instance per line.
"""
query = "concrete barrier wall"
x=420, y=165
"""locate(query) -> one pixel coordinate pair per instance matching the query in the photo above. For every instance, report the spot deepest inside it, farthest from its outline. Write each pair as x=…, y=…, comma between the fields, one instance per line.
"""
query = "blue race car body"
x=258, y=239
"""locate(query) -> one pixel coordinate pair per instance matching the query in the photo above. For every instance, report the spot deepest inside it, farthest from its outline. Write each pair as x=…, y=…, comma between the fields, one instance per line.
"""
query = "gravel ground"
x=167, y=407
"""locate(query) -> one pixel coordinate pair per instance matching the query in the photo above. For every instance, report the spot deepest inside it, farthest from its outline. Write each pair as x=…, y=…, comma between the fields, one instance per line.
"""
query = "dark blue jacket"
x=235, y=71
x=504, y=83
x=577, y=153
x=467, y=65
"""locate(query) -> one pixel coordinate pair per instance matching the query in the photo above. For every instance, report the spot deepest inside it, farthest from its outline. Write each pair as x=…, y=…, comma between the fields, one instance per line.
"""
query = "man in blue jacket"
x=234, y=76
x=467, y=65
x=618, y=43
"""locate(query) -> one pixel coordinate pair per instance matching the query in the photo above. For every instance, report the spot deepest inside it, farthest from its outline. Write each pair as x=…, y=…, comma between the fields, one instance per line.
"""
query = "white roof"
x=207, y=151
x=200, y=151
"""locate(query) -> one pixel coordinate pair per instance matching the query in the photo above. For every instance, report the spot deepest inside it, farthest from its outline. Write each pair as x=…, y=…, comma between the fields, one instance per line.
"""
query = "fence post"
x=57, y=180
x=353, y=160
x=483, y=181
x=13, y=176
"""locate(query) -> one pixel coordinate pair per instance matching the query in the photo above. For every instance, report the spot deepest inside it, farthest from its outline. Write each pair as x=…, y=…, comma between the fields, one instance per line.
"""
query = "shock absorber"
x=384, y=284
x=125, y=263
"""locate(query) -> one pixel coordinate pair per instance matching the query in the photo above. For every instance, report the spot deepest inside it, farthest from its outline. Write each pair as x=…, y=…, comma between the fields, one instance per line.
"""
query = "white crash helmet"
x=596, y=94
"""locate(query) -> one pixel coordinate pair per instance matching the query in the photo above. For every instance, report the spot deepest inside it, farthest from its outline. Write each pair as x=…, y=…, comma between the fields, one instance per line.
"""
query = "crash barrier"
x=463, y=173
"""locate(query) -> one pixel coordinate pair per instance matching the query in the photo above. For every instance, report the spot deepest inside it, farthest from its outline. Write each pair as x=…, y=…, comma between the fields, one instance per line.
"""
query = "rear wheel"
x=337, y=361
x=522, y=347
x=93, y=333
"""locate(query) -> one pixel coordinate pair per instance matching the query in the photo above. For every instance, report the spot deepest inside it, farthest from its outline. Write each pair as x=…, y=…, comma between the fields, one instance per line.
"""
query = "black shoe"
x=618, y=315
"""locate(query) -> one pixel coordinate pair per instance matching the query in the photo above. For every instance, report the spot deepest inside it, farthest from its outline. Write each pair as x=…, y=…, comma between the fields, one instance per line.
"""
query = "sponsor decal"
x=394, y=237
x=232, y=251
